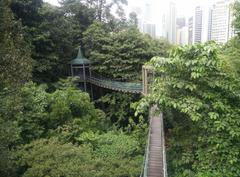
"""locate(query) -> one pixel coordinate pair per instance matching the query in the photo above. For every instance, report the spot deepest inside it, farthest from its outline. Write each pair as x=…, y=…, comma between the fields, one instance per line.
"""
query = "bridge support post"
x=147, y=77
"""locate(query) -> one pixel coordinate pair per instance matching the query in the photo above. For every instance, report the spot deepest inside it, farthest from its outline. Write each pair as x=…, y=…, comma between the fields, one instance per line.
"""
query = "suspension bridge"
x=154, y=164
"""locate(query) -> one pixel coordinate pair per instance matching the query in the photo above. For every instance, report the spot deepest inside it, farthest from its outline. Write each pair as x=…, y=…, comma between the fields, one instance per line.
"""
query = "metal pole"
x=143, y=80
x=84, y=78
x=71, y=70
x=90, y=76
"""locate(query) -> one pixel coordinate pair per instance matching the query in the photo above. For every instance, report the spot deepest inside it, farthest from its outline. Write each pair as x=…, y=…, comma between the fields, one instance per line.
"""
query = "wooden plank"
x=155, y=163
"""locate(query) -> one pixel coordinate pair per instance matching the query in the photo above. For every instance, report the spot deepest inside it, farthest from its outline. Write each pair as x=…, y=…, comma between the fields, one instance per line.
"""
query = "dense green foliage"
x=15, y=61
x=120, y=55
x=105, y=155
x=74, y=132
x=231, y=55
x=204, y=131
x=48, y=126
x=49, y=34
x=236, y=22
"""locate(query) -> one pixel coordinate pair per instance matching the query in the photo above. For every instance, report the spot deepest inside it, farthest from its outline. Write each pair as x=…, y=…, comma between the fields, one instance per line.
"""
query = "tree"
x=15, y=70
x=118, y=107
x=51, y=157
x=53, y=43
x=9, y=135
x=194, y=83
x=133, y=19
x=236, y=14
x=113, y=155
x=103, y=8
x=120, y=55
x=44, y=113
x=230, y=52
x=27, y=11
x=15, y=61
x=231, y=55
x=50, y=34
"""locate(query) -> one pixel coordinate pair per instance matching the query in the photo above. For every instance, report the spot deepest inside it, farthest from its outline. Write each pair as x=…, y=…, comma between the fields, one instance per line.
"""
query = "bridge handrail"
x=101, y=81
x=132, y=87
x=144, y=171
x=164, y=149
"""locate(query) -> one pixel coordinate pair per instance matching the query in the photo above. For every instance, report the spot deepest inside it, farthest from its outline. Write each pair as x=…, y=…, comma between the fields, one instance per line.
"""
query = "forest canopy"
x=50, y=127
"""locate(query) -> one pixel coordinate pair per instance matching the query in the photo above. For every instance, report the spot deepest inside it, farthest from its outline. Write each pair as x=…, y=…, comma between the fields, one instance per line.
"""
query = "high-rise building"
x=221, y=21
x=148, y=13
x=181, y=22
x=210, y=24
x=149, y=29
x=182, y=31
x=182, y=36
x=198, y=24
x=201, y=24
x=169, y=23
x=145, y=22
x=190, y=31
x=148, y=26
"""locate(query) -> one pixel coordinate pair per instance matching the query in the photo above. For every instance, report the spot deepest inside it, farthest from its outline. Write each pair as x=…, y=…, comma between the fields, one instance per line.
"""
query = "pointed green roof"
x=80, y=60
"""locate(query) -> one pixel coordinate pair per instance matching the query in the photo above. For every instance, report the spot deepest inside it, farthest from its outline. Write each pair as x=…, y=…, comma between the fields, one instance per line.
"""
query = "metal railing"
x=163, y=146
x=144, y=171
x=113, y=84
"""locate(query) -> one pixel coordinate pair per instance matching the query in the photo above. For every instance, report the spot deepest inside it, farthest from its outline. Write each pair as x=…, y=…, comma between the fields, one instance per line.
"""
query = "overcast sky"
x=184, y=7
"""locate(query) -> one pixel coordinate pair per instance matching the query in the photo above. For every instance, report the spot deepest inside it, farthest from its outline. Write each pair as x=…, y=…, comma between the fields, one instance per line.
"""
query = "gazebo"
x=80, y=67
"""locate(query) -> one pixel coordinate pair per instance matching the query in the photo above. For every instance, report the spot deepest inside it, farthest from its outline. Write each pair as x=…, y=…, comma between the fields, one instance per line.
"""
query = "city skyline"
x=184, y=7
x=158, y=18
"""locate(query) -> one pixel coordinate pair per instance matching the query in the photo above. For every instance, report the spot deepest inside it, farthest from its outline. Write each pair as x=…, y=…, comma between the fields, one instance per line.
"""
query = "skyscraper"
x=149, y=29
x=169, y=23
x=182, y=36
x=201, y=24
x=198, y=25
x=148, y=26
x=182, y=31
x=221, y=21
x=190, y=31
x=144, y=15
x=210, y=24
x=181, y=22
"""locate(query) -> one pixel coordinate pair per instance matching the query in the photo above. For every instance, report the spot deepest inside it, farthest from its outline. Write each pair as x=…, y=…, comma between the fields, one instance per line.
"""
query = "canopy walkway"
x=128, y=87
x=80, y=67
x=155, y=156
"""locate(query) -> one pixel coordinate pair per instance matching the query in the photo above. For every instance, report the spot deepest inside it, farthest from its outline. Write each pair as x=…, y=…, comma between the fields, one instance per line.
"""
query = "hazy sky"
x=184, y=7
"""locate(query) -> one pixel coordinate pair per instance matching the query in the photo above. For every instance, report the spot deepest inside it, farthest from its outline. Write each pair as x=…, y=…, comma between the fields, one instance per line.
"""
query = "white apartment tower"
x=198, y=26
x=190, y=31
x=169, y=23
x=221, y=21
x=201, y=24
x=148, y=26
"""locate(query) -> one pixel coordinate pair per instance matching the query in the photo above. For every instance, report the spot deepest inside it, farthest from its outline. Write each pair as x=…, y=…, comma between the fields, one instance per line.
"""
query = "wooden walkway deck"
x=155, y=156
x=155, y=163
